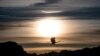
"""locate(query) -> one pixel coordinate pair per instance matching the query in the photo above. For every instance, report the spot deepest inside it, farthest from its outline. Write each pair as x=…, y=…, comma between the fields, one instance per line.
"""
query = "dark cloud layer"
x=51, y=1
x=27, y=13
x=77, y=45
x=7, y=14
x=85, y=13
x=46, y=2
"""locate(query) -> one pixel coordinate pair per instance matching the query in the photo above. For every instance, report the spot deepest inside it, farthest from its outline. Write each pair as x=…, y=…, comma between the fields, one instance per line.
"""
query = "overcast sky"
x=77, y=15
x=72, y=3
x=11, y=3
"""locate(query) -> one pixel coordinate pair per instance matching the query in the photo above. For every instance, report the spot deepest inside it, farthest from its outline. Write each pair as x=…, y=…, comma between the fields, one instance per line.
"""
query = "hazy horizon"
x=76, y=34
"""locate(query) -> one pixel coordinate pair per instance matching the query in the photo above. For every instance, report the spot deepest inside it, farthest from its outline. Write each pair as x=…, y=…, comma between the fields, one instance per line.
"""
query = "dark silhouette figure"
x=53, y=41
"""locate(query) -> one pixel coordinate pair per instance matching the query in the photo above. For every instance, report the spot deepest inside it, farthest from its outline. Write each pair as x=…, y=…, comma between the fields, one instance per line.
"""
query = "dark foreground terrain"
x=13, y=49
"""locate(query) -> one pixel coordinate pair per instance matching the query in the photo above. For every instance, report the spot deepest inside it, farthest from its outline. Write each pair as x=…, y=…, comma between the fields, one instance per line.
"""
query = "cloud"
x=83, y=13
x=27, y=13
x=17, y=3
x=89, y=32
x=51, y=1
x=38, y=45
x=46, y=2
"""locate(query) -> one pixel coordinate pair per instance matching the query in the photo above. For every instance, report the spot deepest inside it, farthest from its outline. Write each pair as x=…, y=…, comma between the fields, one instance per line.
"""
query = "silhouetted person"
x=53, y=41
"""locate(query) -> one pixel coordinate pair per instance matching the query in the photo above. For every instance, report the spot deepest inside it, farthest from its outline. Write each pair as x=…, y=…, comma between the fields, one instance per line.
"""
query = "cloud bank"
x=29, y=12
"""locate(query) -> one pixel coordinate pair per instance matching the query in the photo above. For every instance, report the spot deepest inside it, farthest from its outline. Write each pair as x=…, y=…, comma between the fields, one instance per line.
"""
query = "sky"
x=72, y=8
x=80, y=18
x=13, y=3
x=72, y=3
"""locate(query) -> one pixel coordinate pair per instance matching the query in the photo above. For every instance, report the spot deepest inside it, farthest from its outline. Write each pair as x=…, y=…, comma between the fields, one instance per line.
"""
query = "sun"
x=48, y=28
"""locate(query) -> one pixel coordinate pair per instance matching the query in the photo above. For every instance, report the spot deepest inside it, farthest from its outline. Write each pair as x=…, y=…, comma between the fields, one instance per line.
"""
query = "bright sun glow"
x=48, y=28
x=51, y=12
